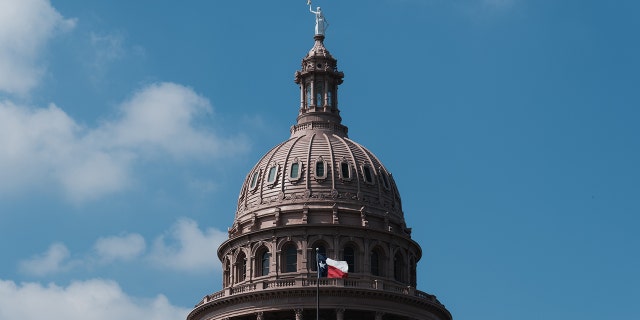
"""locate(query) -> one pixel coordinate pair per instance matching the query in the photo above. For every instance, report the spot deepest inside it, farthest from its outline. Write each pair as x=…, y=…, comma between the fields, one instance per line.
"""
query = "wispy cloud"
x=95, y=299
x=122, y=247
x=179, y=248
x=25, y=28
x=41, y=146
x=107, y=49
x=54, y=260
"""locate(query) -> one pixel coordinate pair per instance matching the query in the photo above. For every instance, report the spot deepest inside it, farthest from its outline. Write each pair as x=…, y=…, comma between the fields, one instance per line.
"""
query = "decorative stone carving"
x=363, y=217
x=254, y=222
x=276, y=222
x=340, y=314
x=298, y=312
x=260, y=315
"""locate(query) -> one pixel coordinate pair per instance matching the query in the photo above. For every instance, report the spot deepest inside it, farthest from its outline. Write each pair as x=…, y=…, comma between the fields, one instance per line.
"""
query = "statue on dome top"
x=321, y=21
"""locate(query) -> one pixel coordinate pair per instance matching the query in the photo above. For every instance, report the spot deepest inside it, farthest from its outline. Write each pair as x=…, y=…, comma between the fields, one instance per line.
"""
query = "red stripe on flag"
x=337, y=269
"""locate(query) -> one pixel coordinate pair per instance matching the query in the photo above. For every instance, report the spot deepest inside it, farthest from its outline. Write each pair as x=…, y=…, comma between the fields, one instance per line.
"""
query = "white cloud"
x=125, y=247
x=161, y=117
x=107, y=48
x=47, y=147
x=92, y=299
x=53, y=261
x=25, y=27
x=187, y=248
x=184, y=247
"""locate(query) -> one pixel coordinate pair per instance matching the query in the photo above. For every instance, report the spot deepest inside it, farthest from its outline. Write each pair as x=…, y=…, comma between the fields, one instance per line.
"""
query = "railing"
x=323, y=282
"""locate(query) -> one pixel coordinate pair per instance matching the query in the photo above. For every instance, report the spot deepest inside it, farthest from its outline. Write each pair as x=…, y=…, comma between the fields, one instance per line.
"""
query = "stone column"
x=298, y=313
x=379, y=315
x=340, y=314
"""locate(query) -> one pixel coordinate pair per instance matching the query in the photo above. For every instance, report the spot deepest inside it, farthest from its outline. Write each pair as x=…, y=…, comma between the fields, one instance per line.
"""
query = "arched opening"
x=412, y=272
x=289, y=258
x=349, y=255
x=318, y=87
x=263, y=261
x=241, y=267
x=398, y=267
x=375, y=262
x=226, y=278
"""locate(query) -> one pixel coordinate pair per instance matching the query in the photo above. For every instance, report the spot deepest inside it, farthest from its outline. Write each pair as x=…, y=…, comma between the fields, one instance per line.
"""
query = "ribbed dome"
x=318, y=165
x=319, y=175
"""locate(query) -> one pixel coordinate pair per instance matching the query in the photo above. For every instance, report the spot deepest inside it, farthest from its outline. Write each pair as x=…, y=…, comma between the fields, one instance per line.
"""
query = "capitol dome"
x=319, y=194
x=319, y=164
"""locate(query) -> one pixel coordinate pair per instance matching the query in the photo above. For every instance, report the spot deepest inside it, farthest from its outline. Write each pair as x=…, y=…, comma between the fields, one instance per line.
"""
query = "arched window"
x=345, y=170
x=227, y=274
x=241, y=267
x=412, y=273
x=273, y=172
x=321, y=169
x=330, y=98
x=375, y=263
x=367, y=174
x=319, y=89
x=290, y=258
x=349, y=255
x=254, y=180
x=262, y=262
x=309, y=96
x=398, y=267
x=385, y=180
x=294, y=170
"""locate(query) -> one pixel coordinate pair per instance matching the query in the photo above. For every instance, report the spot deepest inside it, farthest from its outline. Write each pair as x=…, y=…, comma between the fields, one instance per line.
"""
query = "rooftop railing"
x=322, y=282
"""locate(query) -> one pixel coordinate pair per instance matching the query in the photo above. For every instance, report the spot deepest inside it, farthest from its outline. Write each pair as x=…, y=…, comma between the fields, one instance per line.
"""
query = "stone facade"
x=319, y=190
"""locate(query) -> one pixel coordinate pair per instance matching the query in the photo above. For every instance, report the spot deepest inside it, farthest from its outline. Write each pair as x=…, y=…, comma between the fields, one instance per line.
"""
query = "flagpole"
x=318, y=285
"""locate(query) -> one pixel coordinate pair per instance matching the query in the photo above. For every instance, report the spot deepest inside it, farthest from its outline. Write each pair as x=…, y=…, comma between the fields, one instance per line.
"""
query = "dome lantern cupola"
x=318, y=80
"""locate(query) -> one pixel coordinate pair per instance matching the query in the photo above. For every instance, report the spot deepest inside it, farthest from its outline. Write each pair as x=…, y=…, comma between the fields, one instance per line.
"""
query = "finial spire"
x=321, y=22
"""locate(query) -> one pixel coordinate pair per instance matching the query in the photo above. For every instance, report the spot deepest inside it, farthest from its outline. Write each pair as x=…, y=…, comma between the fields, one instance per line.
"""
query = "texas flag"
x=330, y=268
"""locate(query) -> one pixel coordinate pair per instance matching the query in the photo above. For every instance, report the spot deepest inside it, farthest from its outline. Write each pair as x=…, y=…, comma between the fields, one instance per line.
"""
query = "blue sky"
x=511, y=128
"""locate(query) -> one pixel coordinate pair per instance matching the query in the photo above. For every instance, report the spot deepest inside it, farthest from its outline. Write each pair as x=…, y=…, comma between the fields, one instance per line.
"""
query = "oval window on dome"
x=254, y=180
x=273, y=172
x=345, y=170
x=367, y=174
x=385, y=180
x=294, y=171
x=321, y=169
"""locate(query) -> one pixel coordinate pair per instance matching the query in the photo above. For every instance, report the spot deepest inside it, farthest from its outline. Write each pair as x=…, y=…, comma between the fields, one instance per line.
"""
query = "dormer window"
x=254, y=180
x=345, y=170
x=295, y=170
x=321, y=169
x=385, y=180
x=367, y=174
x=273, y=173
